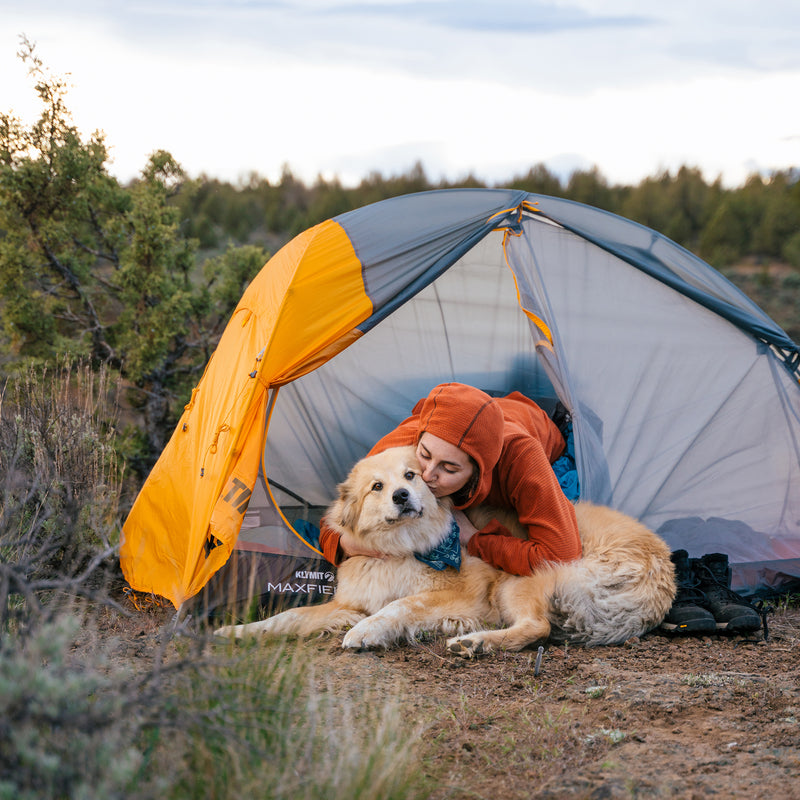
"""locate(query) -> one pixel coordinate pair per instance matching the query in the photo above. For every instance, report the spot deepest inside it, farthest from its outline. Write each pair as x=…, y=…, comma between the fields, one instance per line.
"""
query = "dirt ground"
x=657, y=717
x=661, y=716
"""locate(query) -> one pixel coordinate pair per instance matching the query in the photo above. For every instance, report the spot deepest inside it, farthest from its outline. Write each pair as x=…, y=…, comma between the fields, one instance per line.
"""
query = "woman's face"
x=445, y=468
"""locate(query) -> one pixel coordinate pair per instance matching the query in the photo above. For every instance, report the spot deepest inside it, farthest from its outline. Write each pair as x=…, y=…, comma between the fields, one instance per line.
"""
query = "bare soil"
x=661, y=716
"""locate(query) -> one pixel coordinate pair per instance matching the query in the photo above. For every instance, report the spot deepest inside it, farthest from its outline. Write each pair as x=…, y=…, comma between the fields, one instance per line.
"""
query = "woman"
x=476, y=449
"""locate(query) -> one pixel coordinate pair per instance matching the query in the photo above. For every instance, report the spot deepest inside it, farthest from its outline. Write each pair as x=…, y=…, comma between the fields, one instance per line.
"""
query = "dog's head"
x=385, y=503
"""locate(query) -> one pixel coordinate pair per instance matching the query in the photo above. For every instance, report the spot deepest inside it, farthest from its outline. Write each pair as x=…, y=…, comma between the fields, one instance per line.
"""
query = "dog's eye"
x=377, y=486
x=410, y=475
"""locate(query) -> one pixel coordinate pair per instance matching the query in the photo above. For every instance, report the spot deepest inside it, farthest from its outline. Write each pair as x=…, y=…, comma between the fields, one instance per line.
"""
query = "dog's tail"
x=599, y=601
x=623, y=586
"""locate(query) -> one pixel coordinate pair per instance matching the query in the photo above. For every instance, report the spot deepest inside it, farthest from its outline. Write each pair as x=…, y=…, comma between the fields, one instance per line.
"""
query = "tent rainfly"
x=684, y=394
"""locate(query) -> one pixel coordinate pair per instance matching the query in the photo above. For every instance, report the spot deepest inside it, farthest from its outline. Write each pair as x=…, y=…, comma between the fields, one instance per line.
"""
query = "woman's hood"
x=472, y=421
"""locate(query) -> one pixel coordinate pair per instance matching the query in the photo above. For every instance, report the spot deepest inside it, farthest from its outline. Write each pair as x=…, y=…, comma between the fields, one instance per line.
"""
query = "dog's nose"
x=400, y=497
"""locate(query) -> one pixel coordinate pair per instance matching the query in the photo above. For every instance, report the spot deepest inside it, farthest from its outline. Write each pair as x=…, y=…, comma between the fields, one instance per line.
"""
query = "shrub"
x=80, y=715
x=65, y=729
x=60, y=487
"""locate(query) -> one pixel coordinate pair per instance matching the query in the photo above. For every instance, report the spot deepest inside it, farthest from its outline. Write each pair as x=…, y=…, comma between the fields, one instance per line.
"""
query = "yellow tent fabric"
x=301, y=309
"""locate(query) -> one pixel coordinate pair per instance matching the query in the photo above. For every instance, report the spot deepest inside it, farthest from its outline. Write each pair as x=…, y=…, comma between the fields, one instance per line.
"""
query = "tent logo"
x=299, y=588
x=314, y=576
x=238, y=495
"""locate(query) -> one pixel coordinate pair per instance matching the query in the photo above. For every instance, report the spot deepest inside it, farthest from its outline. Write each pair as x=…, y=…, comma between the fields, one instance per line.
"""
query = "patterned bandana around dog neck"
x=446, y=554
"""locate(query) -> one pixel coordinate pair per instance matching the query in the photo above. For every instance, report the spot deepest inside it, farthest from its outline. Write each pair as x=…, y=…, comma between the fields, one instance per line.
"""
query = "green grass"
x=263, y=723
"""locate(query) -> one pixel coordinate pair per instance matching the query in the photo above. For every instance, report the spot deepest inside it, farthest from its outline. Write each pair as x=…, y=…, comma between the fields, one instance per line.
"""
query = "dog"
x=621, y=587
x=386, y=506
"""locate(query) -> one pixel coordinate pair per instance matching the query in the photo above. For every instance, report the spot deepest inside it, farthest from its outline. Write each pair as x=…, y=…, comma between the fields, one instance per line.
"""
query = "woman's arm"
x=337, y=545
x=495, y=545
x=527, y=484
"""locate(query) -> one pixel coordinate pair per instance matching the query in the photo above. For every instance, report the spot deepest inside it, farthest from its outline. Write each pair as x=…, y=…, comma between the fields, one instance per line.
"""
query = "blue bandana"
x=446, y=554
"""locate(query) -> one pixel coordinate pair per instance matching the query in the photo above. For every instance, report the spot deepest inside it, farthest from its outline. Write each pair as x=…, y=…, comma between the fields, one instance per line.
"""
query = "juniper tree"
x=101, y=270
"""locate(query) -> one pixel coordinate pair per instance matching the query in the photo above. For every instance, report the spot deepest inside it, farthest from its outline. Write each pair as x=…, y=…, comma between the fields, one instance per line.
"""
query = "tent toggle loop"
x=190, y=404
x=222, y=429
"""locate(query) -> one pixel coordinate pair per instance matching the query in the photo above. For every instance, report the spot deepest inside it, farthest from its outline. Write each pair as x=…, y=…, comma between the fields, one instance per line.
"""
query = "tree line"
x=759, y=220
x=142, y=277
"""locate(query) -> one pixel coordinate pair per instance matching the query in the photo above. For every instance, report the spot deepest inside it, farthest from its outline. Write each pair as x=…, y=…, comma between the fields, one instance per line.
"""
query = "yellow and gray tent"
x=684, y=395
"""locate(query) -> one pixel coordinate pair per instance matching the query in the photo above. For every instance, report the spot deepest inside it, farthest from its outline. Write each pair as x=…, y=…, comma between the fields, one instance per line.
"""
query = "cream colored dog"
x=622, y=586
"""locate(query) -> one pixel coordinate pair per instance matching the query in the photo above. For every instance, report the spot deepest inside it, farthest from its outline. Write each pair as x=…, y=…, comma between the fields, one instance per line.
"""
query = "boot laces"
x=718, y=586
x=760, y=607
x=689, y=594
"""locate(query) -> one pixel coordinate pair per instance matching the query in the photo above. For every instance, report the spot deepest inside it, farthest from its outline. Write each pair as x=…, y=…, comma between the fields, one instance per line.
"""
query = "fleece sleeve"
x=404, y=434
x=525, y=482
x=329, y=544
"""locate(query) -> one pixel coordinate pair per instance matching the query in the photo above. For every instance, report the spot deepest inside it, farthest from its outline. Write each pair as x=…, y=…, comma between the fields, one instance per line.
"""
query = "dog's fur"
x=622, y=586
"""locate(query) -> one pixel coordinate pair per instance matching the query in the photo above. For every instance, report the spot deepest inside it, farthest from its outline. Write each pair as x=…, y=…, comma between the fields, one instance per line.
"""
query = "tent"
x=684, y=395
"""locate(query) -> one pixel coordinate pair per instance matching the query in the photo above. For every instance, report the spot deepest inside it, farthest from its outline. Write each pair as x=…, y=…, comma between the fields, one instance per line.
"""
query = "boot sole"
x=695, y=626
x=746, y=626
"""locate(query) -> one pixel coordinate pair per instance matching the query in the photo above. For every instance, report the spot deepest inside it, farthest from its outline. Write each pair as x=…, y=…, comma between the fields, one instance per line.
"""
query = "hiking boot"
x=687, y=614
x=733, y=614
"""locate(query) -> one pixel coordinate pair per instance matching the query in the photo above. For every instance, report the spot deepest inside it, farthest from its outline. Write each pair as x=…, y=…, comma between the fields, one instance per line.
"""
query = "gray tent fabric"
x=684, y=395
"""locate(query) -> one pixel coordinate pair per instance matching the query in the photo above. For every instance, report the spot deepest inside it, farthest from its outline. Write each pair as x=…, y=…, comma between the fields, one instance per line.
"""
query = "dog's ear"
x=347, y=508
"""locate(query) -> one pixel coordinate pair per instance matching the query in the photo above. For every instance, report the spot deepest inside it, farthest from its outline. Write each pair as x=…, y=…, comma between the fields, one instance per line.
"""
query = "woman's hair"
x=463, y=495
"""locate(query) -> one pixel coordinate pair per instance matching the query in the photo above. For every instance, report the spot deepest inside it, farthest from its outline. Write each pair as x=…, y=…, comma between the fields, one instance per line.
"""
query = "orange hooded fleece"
x=514, y=443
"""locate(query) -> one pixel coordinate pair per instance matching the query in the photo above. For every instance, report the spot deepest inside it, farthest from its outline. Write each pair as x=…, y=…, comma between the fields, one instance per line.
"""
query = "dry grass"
x=90, y=709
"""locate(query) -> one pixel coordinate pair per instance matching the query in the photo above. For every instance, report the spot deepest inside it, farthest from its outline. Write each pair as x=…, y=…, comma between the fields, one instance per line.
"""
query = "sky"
x=487, y=88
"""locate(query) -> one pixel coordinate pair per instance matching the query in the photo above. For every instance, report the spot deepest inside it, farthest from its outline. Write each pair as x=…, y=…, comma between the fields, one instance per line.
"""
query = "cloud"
x=488, y=88
x=486, y=16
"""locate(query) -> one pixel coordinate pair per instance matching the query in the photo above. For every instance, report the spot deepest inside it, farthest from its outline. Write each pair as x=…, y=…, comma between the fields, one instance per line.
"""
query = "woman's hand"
x=351, y=547
x=466, y=530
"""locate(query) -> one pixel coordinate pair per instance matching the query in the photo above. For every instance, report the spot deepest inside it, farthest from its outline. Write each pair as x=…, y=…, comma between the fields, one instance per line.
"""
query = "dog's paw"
x=466, y=646
x=245, y=630
x=226, y=631
x=366, y=635
x=351, y=642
